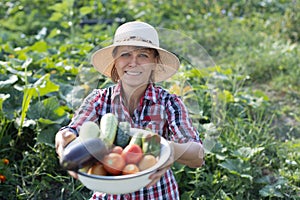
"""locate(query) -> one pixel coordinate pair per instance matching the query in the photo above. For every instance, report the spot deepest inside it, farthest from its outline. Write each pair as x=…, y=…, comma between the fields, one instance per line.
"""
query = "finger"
x=73, y=174
x=156, y=176
x=62, y=139
x=163, y=169
x=152, y=183
x=68, y=137
x=59, y=150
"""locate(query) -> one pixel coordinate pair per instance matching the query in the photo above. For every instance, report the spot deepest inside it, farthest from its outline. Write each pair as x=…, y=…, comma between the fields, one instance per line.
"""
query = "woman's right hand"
x=62, y=139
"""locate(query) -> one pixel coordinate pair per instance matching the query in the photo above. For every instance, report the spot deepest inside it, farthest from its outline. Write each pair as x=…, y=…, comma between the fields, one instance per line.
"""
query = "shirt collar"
x=117, y=91
x=150, y=93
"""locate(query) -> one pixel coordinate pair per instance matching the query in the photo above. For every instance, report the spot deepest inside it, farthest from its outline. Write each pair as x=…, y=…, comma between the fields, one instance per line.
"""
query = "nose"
x=133, y=61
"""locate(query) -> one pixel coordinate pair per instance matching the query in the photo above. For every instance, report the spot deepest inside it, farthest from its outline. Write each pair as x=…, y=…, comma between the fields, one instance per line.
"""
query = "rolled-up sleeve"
x=88, y=111
x=180, y=124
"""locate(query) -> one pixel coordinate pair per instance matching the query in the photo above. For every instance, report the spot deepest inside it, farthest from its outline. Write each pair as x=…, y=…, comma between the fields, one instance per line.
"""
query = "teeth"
x=133, y=73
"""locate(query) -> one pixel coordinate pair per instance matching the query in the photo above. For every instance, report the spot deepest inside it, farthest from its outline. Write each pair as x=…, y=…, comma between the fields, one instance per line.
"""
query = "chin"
x=135, y=80
x=134, y=83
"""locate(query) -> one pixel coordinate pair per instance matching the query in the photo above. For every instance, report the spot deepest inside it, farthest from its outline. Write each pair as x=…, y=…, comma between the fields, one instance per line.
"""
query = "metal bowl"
x=126, y=183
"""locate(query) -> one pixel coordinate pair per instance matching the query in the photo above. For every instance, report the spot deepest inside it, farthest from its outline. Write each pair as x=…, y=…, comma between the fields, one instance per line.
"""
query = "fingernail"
x=67, y=134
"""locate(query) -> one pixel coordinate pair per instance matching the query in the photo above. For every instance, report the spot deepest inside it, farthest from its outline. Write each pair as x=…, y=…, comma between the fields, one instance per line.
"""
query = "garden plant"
x=246, y=103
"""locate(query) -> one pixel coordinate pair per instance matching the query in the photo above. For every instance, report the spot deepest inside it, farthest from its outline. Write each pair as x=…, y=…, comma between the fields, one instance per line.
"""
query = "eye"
x=125, y=54
x=143, y=55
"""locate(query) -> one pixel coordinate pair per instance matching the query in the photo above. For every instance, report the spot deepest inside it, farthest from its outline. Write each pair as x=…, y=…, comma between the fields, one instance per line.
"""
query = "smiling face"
x=135, y=65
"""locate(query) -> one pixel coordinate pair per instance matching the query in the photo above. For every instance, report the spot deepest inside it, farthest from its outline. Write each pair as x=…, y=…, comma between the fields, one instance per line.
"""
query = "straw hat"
x=136, y=34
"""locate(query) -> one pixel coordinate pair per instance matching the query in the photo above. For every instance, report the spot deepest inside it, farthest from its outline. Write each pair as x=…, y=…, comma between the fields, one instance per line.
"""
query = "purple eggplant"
x=79, y=154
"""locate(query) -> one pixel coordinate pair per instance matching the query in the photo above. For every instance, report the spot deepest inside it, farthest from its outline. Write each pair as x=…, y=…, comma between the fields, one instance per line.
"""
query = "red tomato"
x=117, y=149
x=132, y=154
x=113, y=163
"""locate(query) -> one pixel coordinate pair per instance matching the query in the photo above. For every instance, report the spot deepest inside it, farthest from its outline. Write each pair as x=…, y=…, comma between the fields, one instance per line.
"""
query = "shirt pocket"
x=156, y=120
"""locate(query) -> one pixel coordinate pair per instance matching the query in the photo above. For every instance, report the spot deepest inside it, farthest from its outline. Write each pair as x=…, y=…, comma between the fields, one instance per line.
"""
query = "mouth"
x=133, y=73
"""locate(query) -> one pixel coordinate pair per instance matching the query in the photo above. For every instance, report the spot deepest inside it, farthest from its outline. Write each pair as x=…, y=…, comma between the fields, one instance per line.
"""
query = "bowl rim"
x=141, y=173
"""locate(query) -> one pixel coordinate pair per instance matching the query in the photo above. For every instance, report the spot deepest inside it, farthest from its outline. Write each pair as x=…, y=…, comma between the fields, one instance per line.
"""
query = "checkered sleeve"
x=88, y=111
x=181, y=128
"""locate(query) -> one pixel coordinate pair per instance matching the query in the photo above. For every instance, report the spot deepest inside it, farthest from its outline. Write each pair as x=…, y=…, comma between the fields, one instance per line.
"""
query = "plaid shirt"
x=158, y=110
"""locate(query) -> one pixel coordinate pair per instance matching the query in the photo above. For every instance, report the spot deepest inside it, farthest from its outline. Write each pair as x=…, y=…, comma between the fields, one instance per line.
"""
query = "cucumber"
x=136, y=139
x=151, y=144
x=80, y=154
x=123, y=137
x=89, y=130
x=108, y=128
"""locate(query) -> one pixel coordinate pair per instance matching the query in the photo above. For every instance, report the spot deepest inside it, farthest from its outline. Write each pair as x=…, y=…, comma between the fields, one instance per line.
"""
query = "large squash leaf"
x=44, y=86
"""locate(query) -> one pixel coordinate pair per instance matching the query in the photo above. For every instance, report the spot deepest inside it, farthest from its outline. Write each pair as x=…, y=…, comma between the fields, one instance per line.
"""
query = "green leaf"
x=224, y=195
x=247, y=152
x=63, y=48
x=270, y=191
x=59, y=7
x=44, y=86
x=64, y=24
x=47, y=111
x=63, y=7
x=28, y=93
x=50, y=115
x=85, y=10
x=46, y=121
x=60, y=118
x=261, y=94
x=226, y=96
x=233, y=165
x=237, y=167
x=292, y=145
x=26, y=63
x=26, y=122
x=47, y=135
x=3, y=97
x=187, y=194
x=40, y=46
x=10, y=81
x=54, y=32
x=13, y=102
x=56, y=16
x=19, y=72
x=69, y=3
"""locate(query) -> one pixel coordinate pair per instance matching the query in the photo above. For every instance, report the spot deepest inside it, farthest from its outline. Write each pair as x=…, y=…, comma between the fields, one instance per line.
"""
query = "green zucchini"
x=79, y=154
x=123, y=137
x=136, y=139
x=151, y=144
x=108, y=128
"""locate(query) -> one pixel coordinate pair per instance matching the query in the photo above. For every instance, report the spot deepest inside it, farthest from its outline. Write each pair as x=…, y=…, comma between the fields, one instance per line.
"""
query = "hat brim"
x=103, y=60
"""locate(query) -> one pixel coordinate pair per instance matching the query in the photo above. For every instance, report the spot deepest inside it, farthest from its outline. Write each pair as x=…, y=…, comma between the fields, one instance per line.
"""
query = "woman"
x=135, y=62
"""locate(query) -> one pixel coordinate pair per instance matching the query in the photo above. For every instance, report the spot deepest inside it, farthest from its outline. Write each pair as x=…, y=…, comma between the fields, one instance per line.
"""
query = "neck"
x=132, y=96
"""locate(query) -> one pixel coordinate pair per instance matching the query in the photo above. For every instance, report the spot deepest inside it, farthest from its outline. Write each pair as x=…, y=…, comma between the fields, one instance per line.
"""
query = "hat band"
x=134, y=38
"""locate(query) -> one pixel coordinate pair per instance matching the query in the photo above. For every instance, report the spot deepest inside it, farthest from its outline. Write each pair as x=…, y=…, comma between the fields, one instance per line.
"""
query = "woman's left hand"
x=163, y=169
x=190, y=154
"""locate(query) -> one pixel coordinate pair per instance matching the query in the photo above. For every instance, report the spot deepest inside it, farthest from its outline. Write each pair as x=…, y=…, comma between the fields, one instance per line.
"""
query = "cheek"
x=119, y=66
